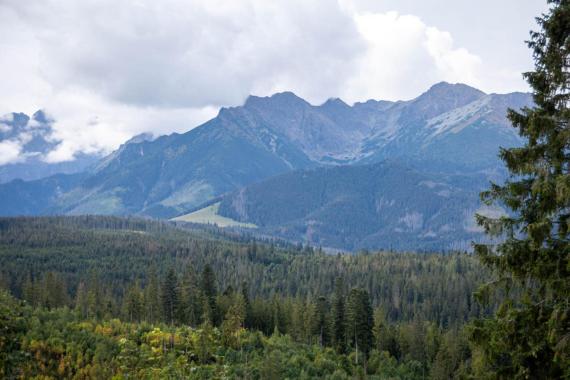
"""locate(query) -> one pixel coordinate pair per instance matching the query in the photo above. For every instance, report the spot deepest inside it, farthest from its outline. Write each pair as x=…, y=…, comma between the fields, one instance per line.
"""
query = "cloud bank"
x=107, y=70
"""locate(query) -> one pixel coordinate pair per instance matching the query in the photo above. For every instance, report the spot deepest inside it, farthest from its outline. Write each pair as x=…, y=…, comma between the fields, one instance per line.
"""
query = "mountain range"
x=384, y=174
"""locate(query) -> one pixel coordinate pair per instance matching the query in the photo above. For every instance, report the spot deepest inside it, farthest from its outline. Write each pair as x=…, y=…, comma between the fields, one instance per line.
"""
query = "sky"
x=106, y=70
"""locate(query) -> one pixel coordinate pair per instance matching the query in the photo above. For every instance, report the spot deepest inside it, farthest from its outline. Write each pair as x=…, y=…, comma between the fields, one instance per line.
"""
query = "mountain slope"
x=36, y=197
x=461, y=135
x=384, y=205
x=451, y=128
x=177, y=172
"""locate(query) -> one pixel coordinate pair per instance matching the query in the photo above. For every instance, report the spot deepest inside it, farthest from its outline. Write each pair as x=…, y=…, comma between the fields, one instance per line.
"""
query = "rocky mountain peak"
x=283, y=100
x=335, y=103
x=441, y=98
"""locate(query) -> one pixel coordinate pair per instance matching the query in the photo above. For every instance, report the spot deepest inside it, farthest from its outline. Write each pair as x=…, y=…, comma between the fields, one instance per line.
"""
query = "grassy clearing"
x=209, y=215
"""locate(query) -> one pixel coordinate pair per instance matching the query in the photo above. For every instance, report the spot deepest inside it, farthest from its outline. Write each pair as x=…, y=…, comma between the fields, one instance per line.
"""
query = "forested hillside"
x=173, y=289
x=386, y=205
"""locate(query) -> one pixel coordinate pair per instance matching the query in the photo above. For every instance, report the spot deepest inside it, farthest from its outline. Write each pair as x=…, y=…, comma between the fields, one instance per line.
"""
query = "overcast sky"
x=106, y=70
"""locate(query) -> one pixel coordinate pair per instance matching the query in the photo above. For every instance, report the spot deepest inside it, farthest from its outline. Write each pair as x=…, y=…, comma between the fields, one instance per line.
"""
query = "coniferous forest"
x=97, y=297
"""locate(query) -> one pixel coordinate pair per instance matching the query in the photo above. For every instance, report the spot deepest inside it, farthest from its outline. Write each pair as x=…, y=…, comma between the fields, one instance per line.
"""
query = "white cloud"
x=189, y=53
x=453, y=64
x=88, y=123
x=107, y=70
x=405, y=57
x=23, y=89
x=10, y=152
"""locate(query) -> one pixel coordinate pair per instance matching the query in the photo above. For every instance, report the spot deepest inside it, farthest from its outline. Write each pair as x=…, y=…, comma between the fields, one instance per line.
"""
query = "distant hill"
x=35, y=137
x=384, y=205
x=451, y=131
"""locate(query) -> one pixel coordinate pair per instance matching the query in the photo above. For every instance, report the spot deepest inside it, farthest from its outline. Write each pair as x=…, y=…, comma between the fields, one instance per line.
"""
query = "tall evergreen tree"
x=30, y=291
x=94, y=295
x=133, y=303
x=210, y=292
x=205, y=340
x=529, y=337
x=338, y=317
x=53, y=290
x=152, y=297
x=170, y=297
x=233, y=321
x=81, y=300
x=190, y=310
x=321, y=322
x=360, y=321
x=248, y=313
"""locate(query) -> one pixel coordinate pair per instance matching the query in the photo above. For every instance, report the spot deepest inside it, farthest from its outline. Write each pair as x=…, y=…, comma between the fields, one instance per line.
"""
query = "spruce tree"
x=170, y=297
x=321, y=321
x=338, y=317
x=82, y=301
x=233, y=321
x=210, y=292
x=190, y=310
x=205, y=340
x=360, y=321
x=30, y=291
x=152, y=297
x=95, y=296
x=248, y=312
x=133, y=303
x=529, y=337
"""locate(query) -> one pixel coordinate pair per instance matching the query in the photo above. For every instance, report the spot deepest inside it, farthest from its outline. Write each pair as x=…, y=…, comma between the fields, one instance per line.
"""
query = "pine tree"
x=248, y=314
x=170, y=298
x=152, y=298
x=53, y=291
x=309, y=322
x=379, y=330
x=133, y=303
x=338, y=317
x=190, y=298
x=94, y=296
x=360, y=321
x=205, y=340
x=321, y=321
x=233, y=321
x=529, y=335
x=277, y=319
x=30, y=291
x=297, y=321
x=210, y=292
x=81, y=300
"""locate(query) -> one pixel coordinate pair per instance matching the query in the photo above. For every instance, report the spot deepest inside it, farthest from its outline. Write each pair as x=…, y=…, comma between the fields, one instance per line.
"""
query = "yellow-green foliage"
x=57, y=344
